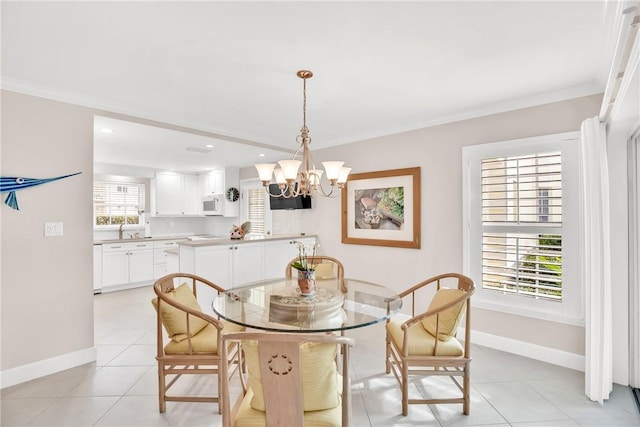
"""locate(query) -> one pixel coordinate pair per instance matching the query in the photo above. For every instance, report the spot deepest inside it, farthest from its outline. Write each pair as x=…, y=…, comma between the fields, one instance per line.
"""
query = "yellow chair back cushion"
x=175, y=320
x=450, y=318
x=324, y=271
x=317, y=369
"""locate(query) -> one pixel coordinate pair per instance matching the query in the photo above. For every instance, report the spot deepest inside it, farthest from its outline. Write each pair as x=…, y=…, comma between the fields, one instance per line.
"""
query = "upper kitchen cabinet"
x=174, y=194
x=211, y=183
x=224, y=182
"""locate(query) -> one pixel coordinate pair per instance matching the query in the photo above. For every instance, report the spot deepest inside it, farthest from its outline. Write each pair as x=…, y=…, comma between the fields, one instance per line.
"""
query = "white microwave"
x=212, y=204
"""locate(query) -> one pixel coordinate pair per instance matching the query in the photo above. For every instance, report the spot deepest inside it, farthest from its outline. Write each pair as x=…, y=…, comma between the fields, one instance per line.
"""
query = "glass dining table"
x=277, y=305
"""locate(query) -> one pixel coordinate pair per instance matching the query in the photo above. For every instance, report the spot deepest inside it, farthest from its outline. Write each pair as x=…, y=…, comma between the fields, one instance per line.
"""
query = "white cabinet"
x=211, y=183
x=163, y=264
x=174, y=194
x=168, y=188
x=247, y=262
x=237, y=264
x=97, y=269
x=218, y=182
x=126, y=263
x=190, y=197
x=278, y=253
x=228, y=266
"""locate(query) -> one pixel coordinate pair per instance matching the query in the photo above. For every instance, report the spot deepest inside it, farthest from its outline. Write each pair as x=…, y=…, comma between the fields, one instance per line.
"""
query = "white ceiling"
x=229, y=68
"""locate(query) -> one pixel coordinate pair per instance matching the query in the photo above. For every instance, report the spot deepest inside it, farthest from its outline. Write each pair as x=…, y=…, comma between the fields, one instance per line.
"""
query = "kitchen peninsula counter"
x=196, y=241
x=236, y=262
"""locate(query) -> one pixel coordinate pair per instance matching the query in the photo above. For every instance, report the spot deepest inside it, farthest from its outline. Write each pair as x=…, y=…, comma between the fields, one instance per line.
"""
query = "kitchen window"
x=521, y=240
x=117, y=203
x=255, y=206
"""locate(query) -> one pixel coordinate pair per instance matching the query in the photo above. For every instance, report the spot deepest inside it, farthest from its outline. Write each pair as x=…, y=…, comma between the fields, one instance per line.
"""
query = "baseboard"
x=41, y=368
x=532, y=351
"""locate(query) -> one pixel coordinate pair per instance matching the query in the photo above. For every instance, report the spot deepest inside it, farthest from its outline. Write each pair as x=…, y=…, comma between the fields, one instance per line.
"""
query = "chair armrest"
x=413, y=320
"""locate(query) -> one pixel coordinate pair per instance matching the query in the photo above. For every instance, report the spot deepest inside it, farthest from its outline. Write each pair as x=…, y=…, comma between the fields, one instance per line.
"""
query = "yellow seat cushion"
x=324, y=271
x=175, y=320
x=317, y=369
x=421, y=342
x=450, y=318
x=249, y=417
x=205, y=341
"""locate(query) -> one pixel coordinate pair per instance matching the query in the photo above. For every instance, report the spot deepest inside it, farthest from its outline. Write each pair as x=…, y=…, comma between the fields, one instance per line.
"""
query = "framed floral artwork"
x=382, y=208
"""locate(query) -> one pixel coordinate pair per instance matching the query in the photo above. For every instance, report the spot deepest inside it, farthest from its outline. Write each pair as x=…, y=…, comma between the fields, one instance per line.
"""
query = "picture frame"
x=382, y=208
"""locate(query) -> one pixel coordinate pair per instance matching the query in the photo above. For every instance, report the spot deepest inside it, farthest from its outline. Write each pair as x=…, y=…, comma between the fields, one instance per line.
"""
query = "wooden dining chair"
x=427, y=343
x=194, y=338
x=293, y=380
x=326, y=268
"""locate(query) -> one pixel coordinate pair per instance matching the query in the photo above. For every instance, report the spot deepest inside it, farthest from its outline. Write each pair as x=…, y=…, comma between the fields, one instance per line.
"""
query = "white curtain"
x=597, y=267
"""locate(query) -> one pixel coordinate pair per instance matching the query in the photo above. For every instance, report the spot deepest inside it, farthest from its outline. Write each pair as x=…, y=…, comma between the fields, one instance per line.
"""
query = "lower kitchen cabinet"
x=237, y=264
x=97, y=269
x=280, y=252
x=124, y=264
x=228, y=266
x=163, y=263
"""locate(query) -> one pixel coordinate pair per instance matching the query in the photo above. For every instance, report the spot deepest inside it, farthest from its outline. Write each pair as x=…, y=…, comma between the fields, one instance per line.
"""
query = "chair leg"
x=466, y=390
x=405, y=389
x=161, y=388
x=387, y=364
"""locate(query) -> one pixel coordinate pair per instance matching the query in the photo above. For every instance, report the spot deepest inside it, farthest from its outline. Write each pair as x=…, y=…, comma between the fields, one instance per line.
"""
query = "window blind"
x=257, y=210
x=522, y=225
x=117, y=203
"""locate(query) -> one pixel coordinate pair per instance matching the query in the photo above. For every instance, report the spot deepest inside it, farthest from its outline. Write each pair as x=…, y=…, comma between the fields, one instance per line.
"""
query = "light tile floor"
x=120, y=388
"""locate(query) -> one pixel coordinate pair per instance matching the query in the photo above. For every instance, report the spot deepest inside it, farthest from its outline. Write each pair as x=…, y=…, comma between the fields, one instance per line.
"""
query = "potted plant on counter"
x=306, y=269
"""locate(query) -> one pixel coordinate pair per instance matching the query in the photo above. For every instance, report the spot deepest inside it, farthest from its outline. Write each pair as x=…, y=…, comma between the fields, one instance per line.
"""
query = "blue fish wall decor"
x=12, y=184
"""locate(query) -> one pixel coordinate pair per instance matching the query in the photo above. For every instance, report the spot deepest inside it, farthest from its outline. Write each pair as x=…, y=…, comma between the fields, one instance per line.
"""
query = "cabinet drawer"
x=159, y=256
x=165, y=243
x=130, y=246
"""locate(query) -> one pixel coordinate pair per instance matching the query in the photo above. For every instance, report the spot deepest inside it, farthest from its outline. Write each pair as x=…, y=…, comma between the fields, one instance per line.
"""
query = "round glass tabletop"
x=277, y=305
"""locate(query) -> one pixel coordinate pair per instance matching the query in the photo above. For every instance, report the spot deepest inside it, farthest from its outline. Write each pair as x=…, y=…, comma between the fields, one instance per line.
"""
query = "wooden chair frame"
x=191, y=362
x=285, y=407
x=317, y=259
x=402, y=364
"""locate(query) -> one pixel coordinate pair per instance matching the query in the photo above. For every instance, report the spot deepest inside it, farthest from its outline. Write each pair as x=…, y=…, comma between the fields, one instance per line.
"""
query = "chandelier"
x=293, y=181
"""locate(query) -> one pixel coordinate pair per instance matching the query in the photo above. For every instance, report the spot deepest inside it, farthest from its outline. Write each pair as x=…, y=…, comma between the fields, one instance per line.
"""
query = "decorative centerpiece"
x=238, y=232
x=306, y=269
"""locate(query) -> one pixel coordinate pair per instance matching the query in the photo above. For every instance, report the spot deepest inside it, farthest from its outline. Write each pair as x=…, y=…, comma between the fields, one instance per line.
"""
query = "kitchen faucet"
x=120, y=232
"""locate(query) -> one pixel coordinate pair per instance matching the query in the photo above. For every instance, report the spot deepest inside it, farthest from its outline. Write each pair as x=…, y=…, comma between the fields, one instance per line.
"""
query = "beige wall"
x=46, y=300
x=47, y=292
x=438, y=152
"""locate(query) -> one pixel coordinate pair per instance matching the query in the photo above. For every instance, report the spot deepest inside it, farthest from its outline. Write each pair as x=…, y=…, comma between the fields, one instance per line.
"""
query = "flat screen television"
x=281, y=202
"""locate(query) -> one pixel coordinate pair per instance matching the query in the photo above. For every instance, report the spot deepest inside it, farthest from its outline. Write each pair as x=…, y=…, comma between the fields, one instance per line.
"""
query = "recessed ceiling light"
x=261, y=155
x=107, y=130
x=209, y=145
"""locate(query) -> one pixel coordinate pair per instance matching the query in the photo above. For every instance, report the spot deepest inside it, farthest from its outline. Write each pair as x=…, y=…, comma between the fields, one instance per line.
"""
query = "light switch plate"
x=52, y=229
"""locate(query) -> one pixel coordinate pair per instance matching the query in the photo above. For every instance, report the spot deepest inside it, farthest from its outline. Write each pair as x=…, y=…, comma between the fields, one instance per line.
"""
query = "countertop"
x=226, y=241
x=206, y=240
x=140, y=239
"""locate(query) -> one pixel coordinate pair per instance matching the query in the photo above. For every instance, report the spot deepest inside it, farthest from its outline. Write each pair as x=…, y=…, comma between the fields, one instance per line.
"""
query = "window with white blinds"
x=522, y=234
x=522, y=224
x=256, y=210
x=117, y=203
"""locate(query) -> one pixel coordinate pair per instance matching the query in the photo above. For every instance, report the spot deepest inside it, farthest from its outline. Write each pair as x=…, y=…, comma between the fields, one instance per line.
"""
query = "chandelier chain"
x=304, y=103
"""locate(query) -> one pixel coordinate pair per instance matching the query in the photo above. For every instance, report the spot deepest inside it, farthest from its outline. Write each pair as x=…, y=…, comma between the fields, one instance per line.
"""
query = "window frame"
x=141, y=205
x=245, y=186
x=571, y=309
